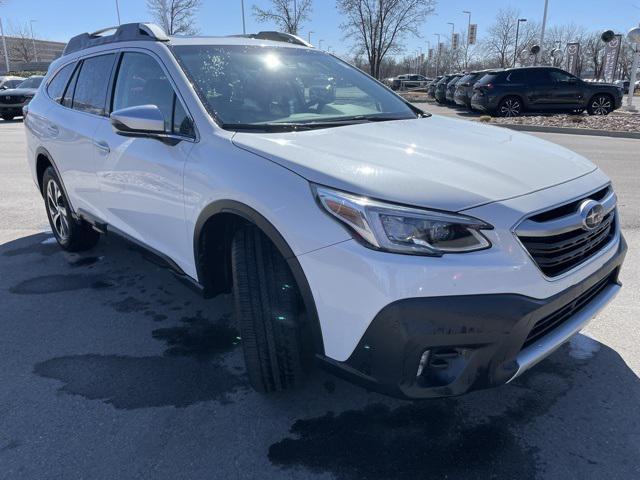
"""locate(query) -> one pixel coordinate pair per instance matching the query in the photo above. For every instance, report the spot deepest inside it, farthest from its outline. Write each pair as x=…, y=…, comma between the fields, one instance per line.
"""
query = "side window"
x=559, y=76
x=93, y=82
x=539, y=77
x=56, y=87
x=182, y=123
x=67, y=98
x=141, y=81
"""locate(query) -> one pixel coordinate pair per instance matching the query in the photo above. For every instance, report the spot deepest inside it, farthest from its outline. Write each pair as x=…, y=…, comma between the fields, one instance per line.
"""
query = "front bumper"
x=473, y=341
x=15, y=110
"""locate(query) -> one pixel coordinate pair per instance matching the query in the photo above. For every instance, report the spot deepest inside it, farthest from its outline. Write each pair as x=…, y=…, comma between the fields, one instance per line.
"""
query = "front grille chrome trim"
x=530, y=228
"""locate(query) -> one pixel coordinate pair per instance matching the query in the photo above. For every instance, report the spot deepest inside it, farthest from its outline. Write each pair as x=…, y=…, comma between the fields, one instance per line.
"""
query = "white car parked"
x=420, y=256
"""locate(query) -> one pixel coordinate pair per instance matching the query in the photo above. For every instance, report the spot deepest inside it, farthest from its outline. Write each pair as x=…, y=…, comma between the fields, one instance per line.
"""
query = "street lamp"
x=515, y=53
x=453, y=30
x=544, y=26
x=438, y=54
x=118, y=11
x=634, y=38
x=466, y=50
x=320, y=43
x=309, y=36
x=244, y=24
x=33, y=40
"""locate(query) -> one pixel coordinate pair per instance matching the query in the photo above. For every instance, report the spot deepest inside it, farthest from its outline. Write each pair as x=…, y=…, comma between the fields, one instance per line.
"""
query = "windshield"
x=33, y=82
x=256, y=86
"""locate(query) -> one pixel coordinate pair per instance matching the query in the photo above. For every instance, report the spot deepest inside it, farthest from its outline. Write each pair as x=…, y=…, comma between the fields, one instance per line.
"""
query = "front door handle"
x=102, y=146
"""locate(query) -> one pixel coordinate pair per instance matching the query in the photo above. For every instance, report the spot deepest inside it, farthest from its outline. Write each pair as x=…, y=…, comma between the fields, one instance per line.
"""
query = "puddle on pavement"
x=60, y=283
x=582, y=347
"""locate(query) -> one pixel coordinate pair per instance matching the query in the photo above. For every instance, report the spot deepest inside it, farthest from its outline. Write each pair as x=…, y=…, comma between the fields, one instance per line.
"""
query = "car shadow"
x=135, y=338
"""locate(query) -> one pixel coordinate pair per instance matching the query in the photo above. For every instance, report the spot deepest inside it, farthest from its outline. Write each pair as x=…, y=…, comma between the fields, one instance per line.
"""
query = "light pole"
x=544, y=26
x=33, y=40
x=244, y=24
x=309, y=36
x=515, y=53
x=320, y=43
x=466, y=50
x=118, y=11
x=295, y=17
x=438, y=54
x=4, y=46
x=453, y=30
x=634, y=38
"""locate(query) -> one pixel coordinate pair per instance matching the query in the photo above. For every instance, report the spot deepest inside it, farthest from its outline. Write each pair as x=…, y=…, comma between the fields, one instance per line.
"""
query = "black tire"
x=510, y=107
x=7, y=118
x=600, y=104
x=268, y=311
x=72, y=235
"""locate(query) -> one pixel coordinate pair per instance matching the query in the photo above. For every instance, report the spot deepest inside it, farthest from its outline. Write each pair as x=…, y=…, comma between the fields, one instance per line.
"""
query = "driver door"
x=141, y=178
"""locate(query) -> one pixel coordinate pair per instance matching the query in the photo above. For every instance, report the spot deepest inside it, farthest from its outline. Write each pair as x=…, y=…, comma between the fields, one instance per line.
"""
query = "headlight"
x=395, y=228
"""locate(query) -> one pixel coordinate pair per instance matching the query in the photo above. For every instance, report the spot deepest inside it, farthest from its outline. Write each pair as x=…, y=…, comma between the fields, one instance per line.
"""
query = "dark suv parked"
x=441, y=88
x=464, y=88
x=451, y=87
x=431, y=88
x=513, y=91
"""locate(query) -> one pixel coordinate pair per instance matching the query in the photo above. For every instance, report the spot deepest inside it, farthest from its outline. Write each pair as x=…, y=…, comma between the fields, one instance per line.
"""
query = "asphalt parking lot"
x=111, y=369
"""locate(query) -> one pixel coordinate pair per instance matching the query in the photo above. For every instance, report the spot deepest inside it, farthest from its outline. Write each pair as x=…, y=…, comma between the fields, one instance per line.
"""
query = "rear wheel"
x=268, y=311
x=7, y=118
x=510, y=107
x=600, y=105
x=72, y=235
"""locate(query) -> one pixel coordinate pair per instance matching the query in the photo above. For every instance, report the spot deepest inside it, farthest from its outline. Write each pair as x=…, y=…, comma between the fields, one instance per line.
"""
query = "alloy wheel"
x=601, y=105
x=56, y=206
x=510, y=108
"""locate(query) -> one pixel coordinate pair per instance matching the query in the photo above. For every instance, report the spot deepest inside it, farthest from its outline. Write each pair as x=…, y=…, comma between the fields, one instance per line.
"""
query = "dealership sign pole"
x=634, y=39
x=573, y=53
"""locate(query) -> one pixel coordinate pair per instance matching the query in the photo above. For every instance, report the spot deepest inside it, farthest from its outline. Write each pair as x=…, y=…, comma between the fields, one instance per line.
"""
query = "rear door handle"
x=102, y=146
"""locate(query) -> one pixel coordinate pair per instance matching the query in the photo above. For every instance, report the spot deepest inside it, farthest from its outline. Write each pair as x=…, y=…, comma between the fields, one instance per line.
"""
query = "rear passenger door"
x=72, y=124
x=141, y=178
x=539, y=85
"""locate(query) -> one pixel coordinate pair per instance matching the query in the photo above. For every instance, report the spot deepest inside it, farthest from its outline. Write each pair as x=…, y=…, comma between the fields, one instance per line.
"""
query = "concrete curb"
x=567, y=130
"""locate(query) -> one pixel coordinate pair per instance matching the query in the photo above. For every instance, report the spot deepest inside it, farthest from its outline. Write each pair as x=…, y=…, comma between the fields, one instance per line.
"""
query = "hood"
x=433, y=162
x=24, y=92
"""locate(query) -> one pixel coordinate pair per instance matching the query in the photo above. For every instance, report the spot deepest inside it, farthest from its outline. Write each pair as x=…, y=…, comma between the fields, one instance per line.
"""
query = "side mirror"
x=138, y=121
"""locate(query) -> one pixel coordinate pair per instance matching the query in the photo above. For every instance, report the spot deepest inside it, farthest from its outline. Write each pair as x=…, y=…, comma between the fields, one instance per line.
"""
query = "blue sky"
x=61, y=19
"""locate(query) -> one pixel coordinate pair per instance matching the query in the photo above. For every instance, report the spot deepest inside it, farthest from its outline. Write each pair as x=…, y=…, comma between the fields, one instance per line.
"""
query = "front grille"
x=11, y=99
x=556, y=239
x=558, y=254
x=547, y=324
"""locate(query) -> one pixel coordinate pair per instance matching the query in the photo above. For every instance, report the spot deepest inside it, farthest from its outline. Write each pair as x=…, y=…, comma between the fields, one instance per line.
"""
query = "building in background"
x=26, y=54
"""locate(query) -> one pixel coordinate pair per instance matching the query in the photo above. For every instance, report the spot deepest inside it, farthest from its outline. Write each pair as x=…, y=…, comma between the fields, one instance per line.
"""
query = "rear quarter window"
x=490, y=78
x=58, y=84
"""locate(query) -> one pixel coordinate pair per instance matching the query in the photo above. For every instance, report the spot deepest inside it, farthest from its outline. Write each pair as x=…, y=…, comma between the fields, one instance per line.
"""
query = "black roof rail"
x=277, y=37
x=123, y=33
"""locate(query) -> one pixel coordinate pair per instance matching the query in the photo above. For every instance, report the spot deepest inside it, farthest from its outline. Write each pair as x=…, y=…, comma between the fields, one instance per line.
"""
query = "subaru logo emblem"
x=592, y=214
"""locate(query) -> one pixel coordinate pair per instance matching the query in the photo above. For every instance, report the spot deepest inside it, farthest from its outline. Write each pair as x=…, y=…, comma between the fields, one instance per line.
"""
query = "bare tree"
x=288, y=15
x=21, y=45
x=379, y=26
x=175, y=16
x=501, y=37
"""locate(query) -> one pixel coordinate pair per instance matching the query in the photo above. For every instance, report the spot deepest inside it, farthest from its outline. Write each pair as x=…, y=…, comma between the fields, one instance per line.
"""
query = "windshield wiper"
x=290, y=127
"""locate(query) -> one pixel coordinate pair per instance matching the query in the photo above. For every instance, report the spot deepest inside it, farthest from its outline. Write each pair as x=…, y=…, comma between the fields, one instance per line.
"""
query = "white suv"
x=420, y=256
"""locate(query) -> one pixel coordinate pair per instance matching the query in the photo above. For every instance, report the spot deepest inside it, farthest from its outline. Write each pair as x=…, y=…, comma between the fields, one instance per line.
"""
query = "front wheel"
x=72, y=235
x=268, y=311
x=600, y=105
x=510, y=107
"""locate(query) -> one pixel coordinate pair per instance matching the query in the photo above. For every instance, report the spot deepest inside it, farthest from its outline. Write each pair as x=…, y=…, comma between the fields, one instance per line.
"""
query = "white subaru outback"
x=417, y=255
